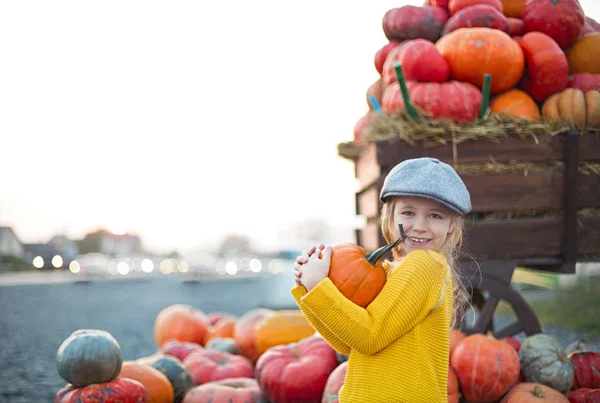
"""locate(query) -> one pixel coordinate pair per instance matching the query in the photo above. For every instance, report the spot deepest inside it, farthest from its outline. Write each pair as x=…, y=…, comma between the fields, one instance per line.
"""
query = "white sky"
x=183, y=121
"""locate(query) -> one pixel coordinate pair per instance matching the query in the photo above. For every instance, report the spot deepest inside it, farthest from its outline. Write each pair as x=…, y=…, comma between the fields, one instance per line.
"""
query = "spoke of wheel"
x=484, y=320
x=510, y=330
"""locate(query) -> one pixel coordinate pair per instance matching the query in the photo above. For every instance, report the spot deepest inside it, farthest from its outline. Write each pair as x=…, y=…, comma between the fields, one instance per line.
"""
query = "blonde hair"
x=450, y=250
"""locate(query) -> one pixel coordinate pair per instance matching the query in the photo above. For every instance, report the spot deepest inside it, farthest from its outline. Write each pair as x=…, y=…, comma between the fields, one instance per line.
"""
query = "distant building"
x=108, y=243
x=10, y=245
x=42, y=255
x=67, y=248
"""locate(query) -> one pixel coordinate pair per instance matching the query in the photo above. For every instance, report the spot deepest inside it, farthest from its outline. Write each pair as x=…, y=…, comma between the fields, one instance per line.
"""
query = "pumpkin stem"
x=538, y=392
x=487, y=81
x=404, y=89
x=374, y=256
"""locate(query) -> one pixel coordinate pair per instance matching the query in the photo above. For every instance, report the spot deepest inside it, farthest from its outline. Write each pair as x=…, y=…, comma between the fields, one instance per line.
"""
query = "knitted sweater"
x=399, y=344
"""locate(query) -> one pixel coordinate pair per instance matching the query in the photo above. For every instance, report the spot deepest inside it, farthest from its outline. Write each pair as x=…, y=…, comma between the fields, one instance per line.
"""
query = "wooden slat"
x=367, y=169
x=392, y=151
x=588, y=237
x=370, y=238
x=368, y=202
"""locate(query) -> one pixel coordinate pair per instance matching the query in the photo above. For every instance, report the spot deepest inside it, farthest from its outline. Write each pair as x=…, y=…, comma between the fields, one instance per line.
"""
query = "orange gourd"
x=513, y=8
x=282, y=327
x=515, y=103
x=180, y=322
x=584, y=56
x=157, y=384
x=456, y=5
x=574, y=105
x=526, y=392
x=473, y=52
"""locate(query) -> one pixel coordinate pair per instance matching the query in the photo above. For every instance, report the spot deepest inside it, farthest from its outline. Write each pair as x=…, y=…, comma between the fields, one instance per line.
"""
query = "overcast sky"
x=183, y=121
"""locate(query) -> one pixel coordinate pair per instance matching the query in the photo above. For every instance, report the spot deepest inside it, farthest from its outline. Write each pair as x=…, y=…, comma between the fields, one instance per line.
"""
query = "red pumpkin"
x=547, y=66
x=382, y=54
x=433, y=100
x=473, y=52
x=584, y=82
x=562, y=20
x=179, y=349
x=584, y=395
x=587, y=370
x=120, y=390
x=212, y=365
x=515, y=26
x=244, y=332
x=421, y=61
x=513, y=342
x=482, y=15
x=412, y=22
x=296, y=372
x=180, y=322
x=486, y=368
x=457, y=5
x=334, y=384
x=533, y=392
x=233, y=390
x=453, y=387
x=437, y=3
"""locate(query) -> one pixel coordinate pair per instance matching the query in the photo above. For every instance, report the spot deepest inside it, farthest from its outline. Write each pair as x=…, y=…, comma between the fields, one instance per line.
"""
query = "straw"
x=487, y=81
x=409, y=106
x=375, y=105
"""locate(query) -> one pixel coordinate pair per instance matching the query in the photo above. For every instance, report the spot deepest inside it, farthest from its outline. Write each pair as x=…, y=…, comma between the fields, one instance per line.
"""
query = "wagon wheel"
x=497, y=291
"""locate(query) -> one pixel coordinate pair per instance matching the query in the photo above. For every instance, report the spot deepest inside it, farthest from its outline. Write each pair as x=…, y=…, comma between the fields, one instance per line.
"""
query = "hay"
x=492, y=166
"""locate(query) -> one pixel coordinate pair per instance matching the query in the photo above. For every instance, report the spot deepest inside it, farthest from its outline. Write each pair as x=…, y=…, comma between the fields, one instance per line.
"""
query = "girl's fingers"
x=297, y=273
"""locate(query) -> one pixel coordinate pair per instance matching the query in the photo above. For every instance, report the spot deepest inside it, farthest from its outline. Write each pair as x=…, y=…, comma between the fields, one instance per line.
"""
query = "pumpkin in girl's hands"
x=575, y=106
x=533, y=392
x=181, y=322
x=156, y=383
x=89, y=356
x=232, y=390
x=543, y=360
x=515, y=103
x=562, y=20
x=120, y=390
x=457, y=5
x=486, y=368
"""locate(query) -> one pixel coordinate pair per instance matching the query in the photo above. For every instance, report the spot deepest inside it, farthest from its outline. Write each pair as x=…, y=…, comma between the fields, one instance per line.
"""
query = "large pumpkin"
x=244, y=332
x=211, y=365
x=420, y=60
x=233, y=390
x=473, y=52
x=457, y=5
x=412, y=22
x=482, y=15
x=574, y=105
x=282, y=327
x=547, y=66
x=181, y=322
x=89, y=356
x=513, y=8
x=526, y=392
x=486, y=368
x=586, y=366
x=453, y=100
x=584, y=56
x=156, y=383
x=544, y=361
x=562, y=20
x=120, y=390
x=177, y=374
x=515, y=103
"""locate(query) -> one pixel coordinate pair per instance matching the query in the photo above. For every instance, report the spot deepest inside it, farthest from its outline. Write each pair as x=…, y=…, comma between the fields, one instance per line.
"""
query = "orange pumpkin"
x=244, y=332
x=157, y=384
x=574, y=105
x=515, y=103
x=456, y=336
x=526, y=392
x=473, y=52
x=225, y=327
x=282, y=327
x=456, y=5
x=453, y=387
x=584, y=56
x=180, y=322
x=513, y=8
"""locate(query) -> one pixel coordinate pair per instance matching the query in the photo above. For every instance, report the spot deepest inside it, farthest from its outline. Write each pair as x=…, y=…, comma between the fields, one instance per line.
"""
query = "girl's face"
x=426, y=223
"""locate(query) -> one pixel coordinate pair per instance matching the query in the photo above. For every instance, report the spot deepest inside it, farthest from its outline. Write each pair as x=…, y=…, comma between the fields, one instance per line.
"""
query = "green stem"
x=405, y=95
x=377, y=254
x=487, y=82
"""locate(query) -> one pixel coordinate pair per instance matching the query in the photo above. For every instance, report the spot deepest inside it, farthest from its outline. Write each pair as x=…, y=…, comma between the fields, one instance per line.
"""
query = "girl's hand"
x=314, y=268
x=302, y=259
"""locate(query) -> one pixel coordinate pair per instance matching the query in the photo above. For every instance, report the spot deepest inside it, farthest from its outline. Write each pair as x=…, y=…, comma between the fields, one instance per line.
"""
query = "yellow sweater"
x=399, y=344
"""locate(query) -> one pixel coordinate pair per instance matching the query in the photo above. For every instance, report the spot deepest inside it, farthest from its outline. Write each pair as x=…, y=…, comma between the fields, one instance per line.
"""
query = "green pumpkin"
x=89, y=356
x=222, y=344
x=178, y=375
x=543, y=360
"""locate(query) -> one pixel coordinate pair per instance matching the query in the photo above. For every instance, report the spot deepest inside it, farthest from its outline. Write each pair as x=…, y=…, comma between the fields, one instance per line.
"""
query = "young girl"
x=399, y=344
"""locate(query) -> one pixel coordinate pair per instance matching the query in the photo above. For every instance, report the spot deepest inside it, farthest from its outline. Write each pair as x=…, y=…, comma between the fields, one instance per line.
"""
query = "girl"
x=399, y=344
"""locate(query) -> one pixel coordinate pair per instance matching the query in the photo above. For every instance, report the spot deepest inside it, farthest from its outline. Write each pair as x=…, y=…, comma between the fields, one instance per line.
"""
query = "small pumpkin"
x=120, y=390
x=473, y=52
x=223, y=344
x=412, y=22
x=457, y=5
x=516, y=103
x=89, y=356
x=547, y=66
x=513, y=8
x=486, y=368
x=574, y=105
x=543, y=360
x=178, y=376
x=181, y=322
x=244, y=332
x=421, y=61
x=586, y=366
x=584, y=82
x=156, y=383
x=583, y=56
x=527, y=392
x=481, y=15
x=282, y=327
x=562, y=20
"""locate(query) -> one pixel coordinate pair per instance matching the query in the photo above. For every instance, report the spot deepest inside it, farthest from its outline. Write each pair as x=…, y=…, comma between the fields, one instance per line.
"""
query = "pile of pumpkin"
x=543, y=57
x=277, y=357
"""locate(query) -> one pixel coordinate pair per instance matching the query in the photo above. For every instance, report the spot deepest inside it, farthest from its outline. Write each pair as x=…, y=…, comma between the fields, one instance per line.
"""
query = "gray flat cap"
x=430, y=178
